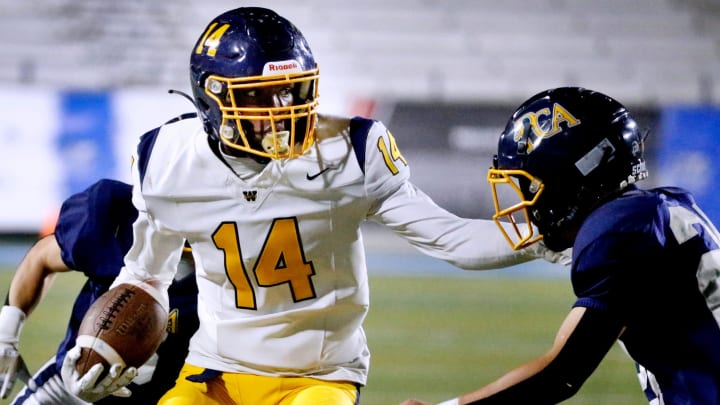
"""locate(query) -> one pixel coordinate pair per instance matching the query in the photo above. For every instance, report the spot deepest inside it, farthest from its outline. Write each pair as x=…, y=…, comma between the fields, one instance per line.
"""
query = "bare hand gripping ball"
x=125, y=325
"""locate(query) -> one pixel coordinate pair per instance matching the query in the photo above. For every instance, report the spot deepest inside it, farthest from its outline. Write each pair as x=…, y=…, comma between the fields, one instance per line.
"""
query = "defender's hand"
x=12, y=365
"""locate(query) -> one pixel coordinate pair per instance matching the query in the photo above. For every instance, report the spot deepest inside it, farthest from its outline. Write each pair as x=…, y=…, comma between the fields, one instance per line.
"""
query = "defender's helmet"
x=249, y=50
x=563, y=152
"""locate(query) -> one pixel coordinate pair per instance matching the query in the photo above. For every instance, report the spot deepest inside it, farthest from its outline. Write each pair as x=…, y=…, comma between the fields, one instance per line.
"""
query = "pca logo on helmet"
x=543, y=123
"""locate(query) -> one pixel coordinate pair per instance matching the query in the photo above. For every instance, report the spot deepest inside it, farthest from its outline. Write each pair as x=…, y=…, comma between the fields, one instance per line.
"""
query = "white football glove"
x=146, y=371
x=12, y=365
x=87, y=387
x=540, y=251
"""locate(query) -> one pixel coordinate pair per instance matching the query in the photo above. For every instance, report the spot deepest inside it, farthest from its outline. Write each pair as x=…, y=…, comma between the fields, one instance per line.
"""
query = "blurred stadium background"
x=81, y=80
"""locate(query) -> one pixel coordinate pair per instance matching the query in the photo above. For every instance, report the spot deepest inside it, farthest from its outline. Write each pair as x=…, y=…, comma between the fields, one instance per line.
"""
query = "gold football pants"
x=246, y=389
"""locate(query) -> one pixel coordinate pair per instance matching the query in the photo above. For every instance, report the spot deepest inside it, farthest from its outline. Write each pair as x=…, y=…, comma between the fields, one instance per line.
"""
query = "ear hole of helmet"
x=202, y=104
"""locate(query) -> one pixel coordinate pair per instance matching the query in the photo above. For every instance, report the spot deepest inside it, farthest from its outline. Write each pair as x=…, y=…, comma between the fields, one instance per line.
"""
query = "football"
x=124, y=325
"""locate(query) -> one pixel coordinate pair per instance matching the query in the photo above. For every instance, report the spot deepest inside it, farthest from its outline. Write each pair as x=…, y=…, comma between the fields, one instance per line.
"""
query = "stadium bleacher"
x=430, y=69
x=642, y=51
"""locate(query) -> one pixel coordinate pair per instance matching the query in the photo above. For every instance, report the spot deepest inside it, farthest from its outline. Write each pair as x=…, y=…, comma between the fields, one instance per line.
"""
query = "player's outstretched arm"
x=30, y=280
x=35, y=273
x=583, y=340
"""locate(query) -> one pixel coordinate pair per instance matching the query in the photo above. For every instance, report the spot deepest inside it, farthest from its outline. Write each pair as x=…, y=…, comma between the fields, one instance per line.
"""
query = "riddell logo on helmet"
x=280, y=67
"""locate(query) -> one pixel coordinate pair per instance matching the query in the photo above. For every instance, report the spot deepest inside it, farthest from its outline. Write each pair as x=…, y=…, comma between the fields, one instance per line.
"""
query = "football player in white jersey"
x=271, y=196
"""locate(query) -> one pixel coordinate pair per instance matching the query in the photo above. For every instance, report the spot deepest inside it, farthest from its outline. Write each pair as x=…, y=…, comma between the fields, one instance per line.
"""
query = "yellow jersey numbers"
x=391, y=153
x=281, y=261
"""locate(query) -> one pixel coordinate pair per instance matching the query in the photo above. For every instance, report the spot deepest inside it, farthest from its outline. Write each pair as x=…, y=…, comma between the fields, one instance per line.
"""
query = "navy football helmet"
x=563, y=152
x=245, y=60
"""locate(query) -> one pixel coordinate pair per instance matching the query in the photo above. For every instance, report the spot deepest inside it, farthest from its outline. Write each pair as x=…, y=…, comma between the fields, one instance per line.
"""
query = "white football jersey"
x=282, y=279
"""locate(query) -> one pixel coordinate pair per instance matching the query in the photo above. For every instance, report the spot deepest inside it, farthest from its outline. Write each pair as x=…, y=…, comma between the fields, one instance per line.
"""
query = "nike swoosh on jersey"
x=316, y=175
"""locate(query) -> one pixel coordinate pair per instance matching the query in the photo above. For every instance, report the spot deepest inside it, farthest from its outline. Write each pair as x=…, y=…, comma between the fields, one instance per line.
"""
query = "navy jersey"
x=651, y=258
x=94, y=231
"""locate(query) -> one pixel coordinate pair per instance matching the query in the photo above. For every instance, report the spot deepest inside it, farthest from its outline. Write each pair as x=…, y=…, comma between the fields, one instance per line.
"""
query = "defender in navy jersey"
x=646, y=263
x=271, y=194
x=92, y=234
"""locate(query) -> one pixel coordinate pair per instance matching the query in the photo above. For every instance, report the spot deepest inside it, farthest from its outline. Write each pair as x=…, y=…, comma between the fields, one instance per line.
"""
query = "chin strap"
x=206, y=123
x=190, y=99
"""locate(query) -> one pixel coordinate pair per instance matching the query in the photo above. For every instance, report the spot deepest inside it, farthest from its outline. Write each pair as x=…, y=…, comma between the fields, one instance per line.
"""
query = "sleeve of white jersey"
x=466, y=243
x=474, y=244
x=385, y=167
x=154, y=254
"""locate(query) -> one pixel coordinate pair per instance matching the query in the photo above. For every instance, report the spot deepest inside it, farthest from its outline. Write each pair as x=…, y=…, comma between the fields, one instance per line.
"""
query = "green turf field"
x=430, y=338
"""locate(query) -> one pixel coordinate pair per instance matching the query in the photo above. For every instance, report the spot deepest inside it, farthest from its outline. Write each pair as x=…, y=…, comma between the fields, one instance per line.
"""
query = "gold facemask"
x=516, y=228
x=278, y=144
